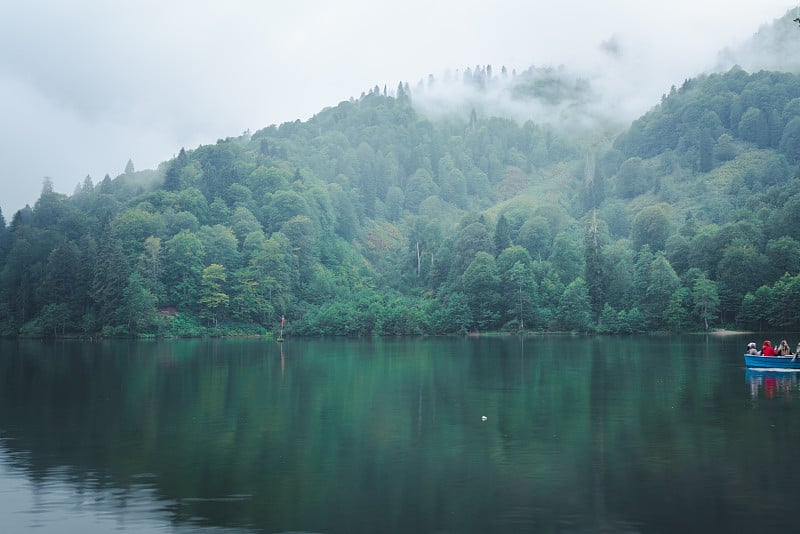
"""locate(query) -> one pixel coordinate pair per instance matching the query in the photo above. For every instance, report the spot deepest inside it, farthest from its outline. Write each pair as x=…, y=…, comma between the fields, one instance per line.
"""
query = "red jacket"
x=768, y=350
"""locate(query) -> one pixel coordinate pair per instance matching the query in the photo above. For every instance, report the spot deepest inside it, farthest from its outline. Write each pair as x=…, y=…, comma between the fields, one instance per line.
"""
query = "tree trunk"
x=419, y=260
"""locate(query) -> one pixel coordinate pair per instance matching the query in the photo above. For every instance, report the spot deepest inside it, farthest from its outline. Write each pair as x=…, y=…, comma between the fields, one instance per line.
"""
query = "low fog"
x=86, y=85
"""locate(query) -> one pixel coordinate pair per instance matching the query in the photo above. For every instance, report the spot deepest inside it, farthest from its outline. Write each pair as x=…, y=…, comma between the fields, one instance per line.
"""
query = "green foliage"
x=632, y=178
x=371, y=219
x=574, y=307
x=139, y=305
x=651, y=226
x=482, y=287
x=706, y=300
x=213, y=300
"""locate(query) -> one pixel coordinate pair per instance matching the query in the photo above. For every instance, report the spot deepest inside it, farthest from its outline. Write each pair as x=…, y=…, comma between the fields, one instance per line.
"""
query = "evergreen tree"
x=595, y=276
x=110, y=277
x=139, y=304
x=5, y=238
x=678, y=317
x=662, y=283
x=172, y=181
x=502, y=235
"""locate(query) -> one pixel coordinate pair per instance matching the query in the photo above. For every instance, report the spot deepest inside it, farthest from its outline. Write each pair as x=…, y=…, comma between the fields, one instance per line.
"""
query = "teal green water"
x=582, y=434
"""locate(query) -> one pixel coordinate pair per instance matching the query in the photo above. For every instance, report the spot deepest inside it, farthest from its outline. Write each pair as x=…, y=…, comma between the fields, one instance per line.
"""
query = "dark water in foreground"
x=643, y=434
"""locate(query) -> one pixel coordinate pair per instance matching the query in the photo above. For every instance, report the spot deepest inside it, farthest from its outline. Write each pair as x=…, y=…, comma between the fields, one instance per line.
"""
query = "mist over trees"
x=374, y=217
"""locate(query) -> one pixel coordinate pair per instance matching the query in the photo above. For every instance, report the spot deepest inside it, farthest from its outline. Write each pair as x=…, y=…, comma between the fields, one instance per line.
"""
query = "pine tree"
x=109, y=281
x=502, y=235
x=595, y=271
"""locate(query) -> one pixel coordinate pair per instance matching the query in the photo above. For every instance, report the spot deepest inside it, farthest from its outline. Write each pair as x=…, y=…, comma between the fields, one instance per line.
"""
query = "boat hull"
x=772, y=362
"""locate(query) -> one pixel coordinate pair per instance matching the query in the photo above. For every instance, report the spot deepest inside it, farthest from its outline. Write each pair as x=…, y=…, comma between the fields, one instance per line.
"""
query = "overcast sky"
x=86, y=85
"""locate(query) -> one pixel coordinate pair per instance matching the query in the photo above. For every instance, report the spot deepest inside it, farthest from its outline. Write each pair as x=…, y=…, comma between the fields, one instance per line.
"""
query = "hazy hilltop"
x=774, y=47
x=517, y=201
x=600, y=96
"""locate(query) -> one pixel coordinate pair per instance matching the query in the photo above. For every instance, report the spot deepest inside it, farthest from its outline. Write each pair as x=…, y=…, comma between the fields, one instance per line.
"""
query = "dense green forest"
x=371, y=218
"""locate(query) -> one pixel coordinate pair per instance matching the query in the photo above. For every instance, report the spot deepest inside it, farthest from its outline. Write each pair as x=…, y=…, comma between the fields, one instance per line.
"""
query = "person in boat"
x=767, y=349
x=751, y=348
x=783, y=349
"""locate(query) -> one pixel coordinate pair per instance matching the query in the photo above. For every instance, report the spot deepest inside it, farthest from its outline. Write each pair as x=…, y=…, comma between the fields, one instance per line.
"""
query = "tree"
x=706, y=299
x=218, y=212
x=662, y=283
x=619, y=260
x=300, y=232
x=243, y=222
x=574, y=306
x=593, y=192
x=60, y=281
x=220, y=245
x=566, y=256
x=783, y=256
x=347, y=223
x=5, y=238
x=536, y=235
x=190, y=199
x=678, y=318
x=705, y=152
x=790, y=141
x=651, y=227
x=139, y=304
x=419, y=187
x=150, y=266
x=248, y=301
x=271, y=268
x=283, y=206
x=183, y=266
x=593, y=241
x=471, y=240
x=453, y=187
x=741, y=269
x=502, y=235
x=53, y=317
x=724, y=148
x=212, y=296
x=109, y=281
x=517, y=285
x=481, y=284
x=753, y=127
x=751, y=312
x=394, y=203
x=131, y=227
x=632, y=178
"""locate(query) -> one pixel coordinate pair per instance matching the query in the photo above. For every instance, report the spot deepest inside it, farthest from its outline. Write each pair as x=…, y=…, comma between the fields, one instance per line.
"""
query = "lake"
x=461, y=435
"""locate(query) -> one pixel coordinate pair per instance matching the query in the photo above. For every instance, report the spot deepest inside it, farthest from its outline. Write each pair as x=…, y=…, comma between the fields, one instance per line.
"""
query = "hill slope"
x=371, y=218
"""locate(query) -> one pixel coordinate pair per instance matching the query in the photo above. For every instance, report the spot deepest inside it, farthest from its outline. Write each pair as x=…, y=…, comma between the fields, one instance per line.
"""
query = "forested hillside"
x=371, y=218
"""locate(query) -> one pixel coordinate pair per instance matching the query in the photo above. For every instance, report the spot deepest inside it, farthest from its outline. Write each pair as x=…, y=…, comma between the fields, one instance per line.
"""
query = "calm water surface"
x=582, y=434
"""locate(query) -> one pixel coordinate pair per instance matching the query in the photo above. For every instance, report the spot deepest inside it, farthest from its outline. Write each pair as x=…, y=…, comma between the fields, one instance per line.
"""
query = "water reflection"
x=772, y=384
x=65, y=500
x=581, y=434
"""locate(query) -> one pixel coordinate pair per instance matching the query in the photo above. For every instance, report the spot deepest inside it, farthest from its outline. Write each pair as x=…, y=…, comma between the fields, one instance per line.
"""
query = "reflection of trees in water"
x=386, y=435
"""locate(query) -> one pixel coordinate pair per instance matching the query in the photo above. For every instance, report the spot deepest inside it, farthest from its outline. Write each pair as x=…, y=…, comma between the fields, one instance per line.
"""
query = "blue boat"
x=772, y=362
